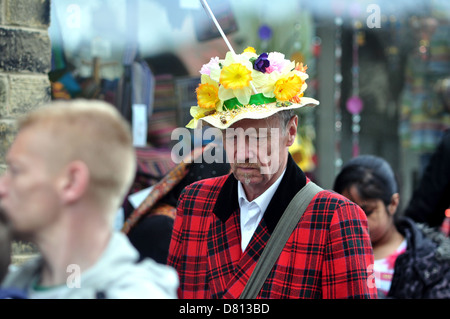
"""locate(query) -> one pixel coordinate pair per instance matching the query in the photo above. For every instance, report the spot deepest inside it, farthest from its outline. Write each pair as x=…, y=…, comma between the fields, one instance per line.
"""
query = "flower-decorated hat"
x=248, y=86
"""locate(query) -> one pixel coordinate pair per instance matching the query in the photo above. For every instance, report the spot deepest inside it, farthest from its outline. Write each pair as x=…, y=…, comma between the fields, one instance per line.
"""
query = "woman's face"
x=379, y=217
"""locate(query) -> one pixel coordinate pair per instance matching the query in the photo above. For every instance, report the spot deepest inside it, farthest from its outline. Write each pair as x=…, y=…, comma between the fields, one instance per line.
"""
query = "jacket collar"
x=420, y=236
x=430, y=267
x=293, y=180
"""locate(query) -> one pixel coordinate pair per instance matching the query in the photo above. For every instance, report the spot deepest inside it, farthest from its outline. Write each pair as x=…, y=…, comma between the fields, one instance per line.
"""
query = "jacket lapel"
x=246, y=264
x=224, y=253
x=230, y=268
x=293, y=180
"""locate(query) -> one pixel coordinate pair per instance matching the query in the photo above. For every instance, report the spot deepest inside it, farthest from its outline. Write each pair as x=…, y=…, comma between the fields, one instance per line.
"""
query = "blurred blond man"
x=69, y=169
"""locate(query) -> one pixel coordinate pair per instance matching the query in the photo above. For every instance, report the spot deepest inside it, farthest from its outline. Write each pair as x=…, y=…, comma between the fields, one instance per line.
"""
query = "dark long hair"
x=372, y=176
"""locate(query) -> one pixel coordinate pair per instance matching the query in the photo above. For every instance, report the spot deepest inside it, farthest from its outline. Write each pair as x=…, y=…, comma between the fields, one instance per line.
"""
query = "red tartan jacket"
x=327, y=256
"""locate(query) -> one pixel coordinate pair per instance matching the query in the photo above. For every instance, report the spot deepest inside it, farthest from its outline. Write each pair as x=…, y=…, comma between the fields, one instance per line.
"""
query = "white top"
x=384, y=269
x=252, y=212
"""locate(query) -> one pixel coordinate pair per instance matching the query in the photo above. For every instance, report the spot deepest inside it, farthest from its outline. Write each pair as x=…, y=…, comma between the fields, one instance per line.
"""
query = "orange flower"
x=296, y=99
x=301, y=68
x=207, y=96
x=287, y=88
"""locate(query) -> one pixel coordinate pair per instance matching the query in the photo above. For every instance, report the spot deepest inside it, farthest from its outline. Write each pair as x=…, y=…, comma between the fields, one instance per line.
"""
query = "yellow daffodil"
x=208, y=93
x=288, y=87
x=249, y=53
x=250, y=50
x=265, y=82
x=207, y=96
x=235, y=76
x=207, y=99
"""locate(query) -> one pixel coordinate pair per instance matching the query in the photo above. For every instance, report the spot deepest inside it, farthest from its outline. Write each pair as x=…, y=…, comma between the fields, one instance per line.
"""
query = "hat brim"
x=225, y=119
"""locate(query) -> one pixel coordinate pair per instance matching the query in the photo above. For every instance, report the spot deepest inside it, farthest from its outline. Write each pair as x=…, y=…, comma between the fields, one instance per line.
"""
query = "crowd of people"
x=72, y=163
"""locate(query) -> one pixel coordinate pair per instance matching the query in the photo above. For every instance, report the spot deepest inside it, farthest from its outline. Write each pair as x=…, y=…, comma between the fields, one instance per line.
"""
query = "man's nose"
x=246, y=150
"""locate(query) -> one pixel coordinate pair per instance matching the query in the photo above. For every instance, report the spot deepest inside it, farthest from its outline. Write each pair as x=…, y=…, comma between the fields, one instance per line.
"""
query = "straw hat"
x=248, y=86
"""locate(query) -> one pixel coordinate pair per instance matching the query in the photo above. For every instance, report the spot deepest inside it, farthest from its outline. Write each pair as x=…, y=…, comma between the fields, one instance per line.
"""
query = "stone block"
x=2, y=11
x=26, y=93
x=3, y=91
x=28, y=13
x=8, y=131
x=24, y=50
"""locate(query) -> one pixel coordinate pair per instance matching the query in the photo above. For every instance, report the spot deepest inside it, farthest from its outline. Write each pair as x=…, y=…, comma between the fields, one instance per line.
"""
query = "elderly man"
x=69, y=168
x=224, y=224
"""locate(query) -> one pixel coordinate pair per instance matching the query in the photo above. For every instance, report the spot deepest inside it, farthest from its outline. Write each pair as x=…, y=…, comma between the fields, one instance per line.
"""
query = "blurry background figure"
x=412, y=260
x=149, y=226
x=431, y=199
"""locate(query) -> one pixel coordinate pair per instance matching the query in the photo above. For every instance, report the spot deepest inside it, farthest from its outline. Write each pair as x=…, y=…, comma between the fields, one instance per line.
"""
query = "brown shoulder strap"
x=278, y=239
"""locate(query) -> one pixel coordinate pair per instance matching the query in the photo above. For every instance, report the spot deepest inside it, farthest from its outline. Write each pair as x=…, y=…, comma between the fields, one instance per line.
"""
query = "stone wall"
x=25, y=60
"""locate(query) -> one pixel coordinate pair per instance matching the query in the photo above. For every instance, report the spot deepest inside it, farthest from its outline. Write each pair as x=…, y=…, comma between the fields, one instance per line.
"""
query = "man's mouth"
x=247, y=168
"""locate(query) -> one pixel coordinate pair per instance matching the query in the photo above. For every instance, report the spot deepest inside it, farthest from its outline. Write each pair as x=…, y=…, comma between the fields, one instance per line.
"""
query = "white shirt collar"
x=252, y=212
x=262, y=200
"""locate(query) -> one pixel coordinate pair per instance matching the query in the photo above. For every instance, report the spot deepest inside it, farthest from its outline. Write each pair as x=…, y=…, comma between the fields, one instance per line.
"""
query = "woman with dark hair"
x=411, y=259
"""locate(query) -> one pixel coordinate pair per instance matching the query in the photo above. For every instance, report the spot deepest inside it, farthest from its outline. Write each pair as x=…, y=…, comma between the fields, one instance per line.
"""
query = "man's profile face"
x=256, y=150
x=27, y=189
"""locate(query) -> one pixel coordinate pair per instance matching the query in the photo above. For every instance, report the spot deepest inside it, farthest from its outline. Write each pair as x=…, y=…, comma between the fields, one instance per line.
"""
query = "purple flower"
x=265, y=32
x=262, y=63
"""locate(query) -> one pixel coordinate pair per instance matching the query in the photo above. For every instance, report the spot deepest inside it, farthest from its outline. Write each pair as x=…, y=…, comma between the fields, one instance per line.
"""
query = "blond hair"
x=93, y=132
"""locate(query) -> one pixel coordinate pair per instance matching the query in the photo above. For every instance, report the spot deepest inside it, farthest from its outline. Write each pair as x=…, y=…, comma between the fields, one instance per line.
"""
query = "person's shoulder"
x=209, y=182
x=146, y=279
x=328, y=201
x=205, y=187
x=330, y=197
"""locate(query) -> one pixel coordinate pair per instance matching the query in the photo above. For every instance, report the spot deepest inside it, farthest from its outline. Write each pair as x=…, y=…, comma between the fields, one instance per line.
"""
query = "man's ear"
x=291, y=130
x=74, y=181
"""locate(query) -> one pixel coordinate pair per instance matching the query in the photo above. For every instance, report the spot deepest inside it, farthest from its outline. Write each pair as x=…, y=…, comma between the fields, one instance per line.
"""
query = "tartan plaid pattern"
x=327, y=255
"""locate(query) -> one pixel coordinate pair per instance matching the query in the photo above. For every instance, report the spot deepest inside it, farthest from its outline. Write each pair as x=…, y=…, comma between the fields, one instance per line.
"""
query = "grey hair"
x=285, y=117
